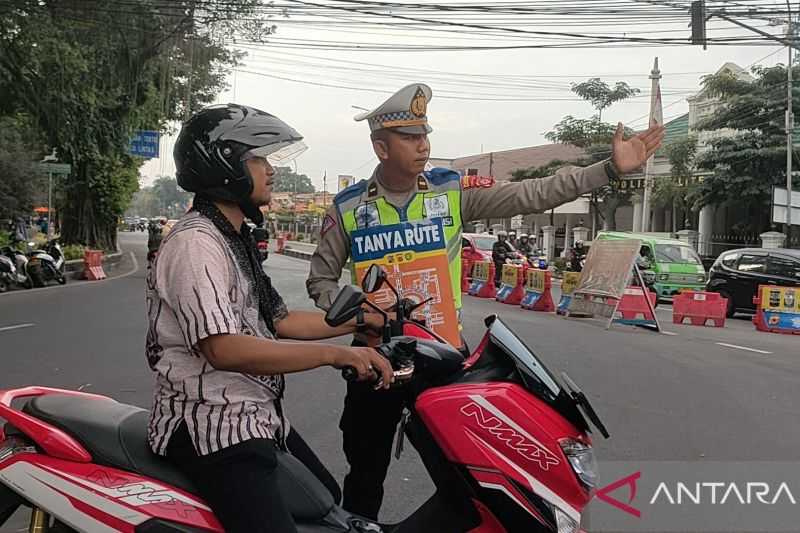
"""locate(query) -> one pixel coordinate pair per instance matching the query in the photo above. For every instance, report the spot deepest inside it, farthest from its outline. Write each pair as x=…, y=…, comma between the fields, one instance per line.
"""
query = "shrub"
x=73, y=251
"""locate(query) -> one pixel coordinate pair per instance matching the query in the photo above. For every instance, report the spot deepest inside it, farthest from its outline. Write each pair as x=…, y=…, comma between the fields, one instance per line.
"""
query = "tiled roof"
x=505, y=162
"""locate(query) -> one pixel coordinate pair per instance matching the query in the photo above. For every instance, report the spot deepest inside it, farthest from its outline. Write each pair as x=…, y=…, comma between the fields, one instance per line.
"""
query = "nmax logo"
x=491, y=419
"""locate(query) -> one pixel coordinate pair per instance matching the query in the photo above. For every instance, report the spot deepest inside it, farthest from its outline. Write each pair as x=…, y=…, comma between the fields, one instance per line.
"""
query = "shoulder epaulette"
x=441, y=175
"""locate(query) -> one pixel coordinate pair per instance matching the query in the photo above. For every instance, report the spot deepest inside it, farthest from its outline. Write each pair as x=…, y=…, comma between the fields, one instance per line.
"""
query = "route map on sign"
x=414, y=256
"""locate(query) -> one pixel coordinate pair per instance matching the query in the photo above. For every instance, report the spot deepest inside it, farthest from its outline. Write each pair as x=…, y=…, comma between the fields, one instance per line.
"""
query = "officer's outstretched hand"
x=369, y=364
x=629, y=155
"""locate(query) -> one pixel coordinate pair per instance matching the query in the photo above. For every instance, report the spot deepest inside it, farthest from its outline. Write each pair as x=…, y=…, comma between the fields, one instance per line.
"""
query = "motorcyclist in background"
x=524, y=245
x=501, y=250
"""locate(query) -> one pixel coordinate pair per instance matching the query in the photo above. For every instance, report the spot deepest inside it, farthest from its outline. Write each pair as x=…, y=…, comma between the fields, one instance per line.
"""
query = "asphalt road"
x=677, y=396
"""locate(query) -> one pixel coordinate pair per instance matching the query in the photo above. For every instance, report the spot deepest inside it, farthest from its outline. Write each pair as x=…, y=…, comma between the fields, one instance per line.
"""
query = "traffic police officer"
x=401, y=190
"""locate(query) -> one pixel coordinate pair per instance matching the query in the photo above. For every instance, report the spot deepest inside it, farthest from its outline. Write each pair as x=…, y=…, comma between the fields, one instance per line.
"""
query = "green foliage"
x=581, y=132
x=595, y=137
x=601, y=95
x=746, y=163
x=286, y=180
x=678, y=190
x=89, y=78
x=73, y=251
x=20, y=178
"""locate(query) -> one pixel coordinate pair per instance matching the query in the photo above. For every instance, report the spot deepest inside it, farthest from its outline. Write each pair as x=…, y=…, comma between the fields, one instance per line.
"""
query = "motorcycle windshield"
x=537, y=378
x=570, y=403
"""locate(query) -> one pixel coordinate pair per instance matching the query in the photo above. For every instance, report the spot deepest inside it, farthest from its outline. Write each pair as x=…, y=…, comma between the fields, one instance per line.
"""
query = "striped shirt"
x=196, y=288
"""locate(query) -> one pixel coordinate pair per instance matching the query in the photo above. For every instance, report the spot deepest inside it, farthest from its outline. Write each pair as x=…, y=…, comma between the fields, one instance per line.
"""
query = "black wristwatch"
x=360, y=323
x=611, y=169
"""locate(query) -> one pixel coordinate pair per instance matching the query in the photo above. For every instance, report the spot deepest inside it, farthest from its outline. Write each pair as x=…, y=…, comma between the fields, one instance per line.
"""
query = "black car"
x=736, y=274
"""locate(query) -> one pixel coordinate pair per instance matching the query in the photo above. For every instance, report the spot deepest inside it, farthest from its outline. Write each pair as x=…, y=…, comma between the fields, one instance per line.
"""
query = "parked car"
x=736, y=274
x=675, y=264
x=476, y=247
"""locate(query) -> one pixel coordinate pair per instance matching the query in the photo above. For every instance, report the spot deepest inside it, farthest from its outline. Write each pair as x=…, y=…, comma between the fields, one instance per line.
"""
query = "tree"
x=286, y=180
x=19, y=177
x=601, y=95
x=750, y=159
x=170, y=199
x=90, y=77
x=595, y=136
x=679, y=190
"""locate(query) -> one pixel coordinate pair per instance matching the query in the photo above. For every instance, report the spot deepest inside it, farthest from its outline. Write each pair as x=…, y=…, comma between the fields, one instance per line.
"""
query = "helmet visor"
x=278, y=154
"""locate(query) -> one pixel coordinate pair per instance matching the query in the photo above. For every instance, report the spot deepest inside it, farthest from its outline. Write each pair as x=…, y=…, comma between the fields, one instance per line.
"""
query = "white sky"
x=339, y=145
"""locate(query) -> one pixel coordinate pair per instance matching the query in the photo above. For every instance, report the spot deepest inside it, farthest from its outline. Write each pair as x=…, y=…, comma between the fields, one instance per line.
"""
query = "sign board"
x=604, y=277
x=345, y=181
x=569, y=282
x=535, y=280
x=516, y=222
x=56, y=168
x=510, y=275
x=480, y=270
x=414, y=257
x=145, y=143
x=780, y=204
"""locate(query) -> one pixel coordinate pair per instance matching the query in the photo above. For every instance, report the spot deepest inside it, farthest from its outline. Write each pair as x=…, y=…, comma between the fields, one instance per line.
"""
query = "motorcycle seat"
x=115, y=434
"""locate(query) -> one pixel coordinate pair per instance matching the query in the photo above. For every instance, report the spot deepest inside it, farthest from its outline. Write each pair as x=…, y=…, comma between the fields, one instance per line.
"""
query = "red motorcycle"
x=505, y=443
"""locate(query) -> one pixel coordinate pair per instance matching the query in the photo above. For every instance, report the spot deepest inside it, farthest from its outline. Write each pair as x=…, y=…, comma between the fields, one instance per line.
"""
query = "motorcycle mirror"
x=373, y=279
x=345, y=306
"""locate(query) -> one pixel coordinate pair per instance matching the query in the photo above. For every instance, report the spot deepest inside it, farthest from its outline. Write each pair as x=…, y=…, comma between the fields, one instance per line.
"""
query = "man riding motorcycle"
x=501, y=250
x=371, y=216
x=215, y=320
x=524, y=246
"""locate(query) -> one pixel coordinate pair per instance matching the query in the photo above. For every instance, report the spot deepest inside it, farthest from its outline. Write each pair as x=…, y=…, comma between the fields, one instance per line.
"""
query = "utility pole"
x=190, y=74
x=789, y=128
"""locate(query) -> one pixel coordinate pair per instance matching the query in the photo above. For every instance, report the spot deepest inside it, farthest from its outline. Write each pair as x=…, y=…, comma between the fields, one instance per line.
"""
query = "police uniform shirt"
x=502, y=200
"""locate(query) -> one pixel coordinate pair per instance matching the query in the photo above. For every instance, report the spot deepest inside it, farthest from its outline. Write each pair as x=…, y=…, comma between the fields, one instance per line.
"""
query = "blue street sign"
x=145, y=144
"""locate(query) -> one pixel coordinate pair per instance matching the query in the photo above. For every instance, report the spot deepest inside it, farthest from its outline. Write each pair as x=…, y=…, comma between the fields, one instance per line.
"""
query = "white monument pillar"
x=705, y=228
x=636, y=200
x=772, y=239
x=567, y=236
x=580, y=233
x=549, y=241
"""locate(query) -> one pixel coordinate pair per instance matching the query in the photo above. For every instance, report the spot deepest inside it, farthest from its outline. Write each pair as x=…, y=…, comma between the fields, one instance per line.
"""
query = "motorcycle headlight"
x=581, y=459
x=663, y=277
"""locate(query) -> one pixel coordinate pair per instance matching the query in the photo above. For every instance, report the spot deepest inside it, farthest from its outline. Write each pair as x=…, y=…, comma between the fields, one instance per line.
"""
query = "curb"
x=73, y=269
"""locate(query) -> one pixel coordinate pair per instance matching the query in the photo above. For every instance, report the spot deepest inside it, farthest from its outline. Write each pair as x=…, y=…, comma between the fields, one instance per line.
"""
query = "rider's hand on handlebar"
x=369, y=364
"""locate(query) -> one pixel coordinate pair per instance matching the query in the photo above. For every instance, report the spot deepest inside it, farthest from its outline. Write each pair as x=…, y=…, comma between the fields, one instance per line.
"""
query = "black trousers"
x=368, y=427
x=239, y=482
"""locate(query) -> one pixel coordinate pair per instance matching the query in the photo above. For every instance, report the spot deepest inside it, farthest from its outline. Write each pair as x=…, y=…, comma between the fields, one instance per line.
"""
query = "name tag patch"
x=437, y=206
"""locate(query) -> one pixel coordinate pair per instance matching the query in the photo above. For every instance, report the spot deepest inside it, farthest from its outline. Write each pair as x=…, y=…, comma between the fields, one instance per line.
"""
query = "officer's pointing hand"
x=629, y=155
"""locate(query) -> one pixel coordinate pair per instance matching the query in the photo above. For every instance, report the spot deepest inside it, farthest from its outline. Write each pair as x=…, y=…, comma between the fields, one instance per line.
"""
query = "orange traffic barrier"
x=777, y=309
x=466, y=268
x=537, y=291
x=512, y=286
x=634, y=309
x=482, y=284
x=93, y=265
x=699, y=307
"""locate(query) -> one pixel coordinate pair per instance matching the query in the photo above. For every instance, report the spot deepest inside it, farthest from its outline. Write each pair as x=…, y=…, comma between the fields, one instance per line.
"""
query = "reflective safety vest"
x=439, y=196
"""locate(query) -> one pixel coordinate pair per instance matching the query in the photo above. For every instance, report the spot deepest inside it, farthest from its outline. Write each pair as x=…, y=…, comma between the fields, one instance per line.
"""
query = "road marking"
x=742, y=348
x=668, y=333
x=16, y=326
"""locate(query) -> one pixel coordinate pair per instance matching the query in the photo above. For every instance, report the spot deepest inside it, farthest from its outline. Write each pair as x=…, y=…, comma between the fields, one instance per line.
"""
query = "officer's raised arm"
x=328, y=260
x=539, y=195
